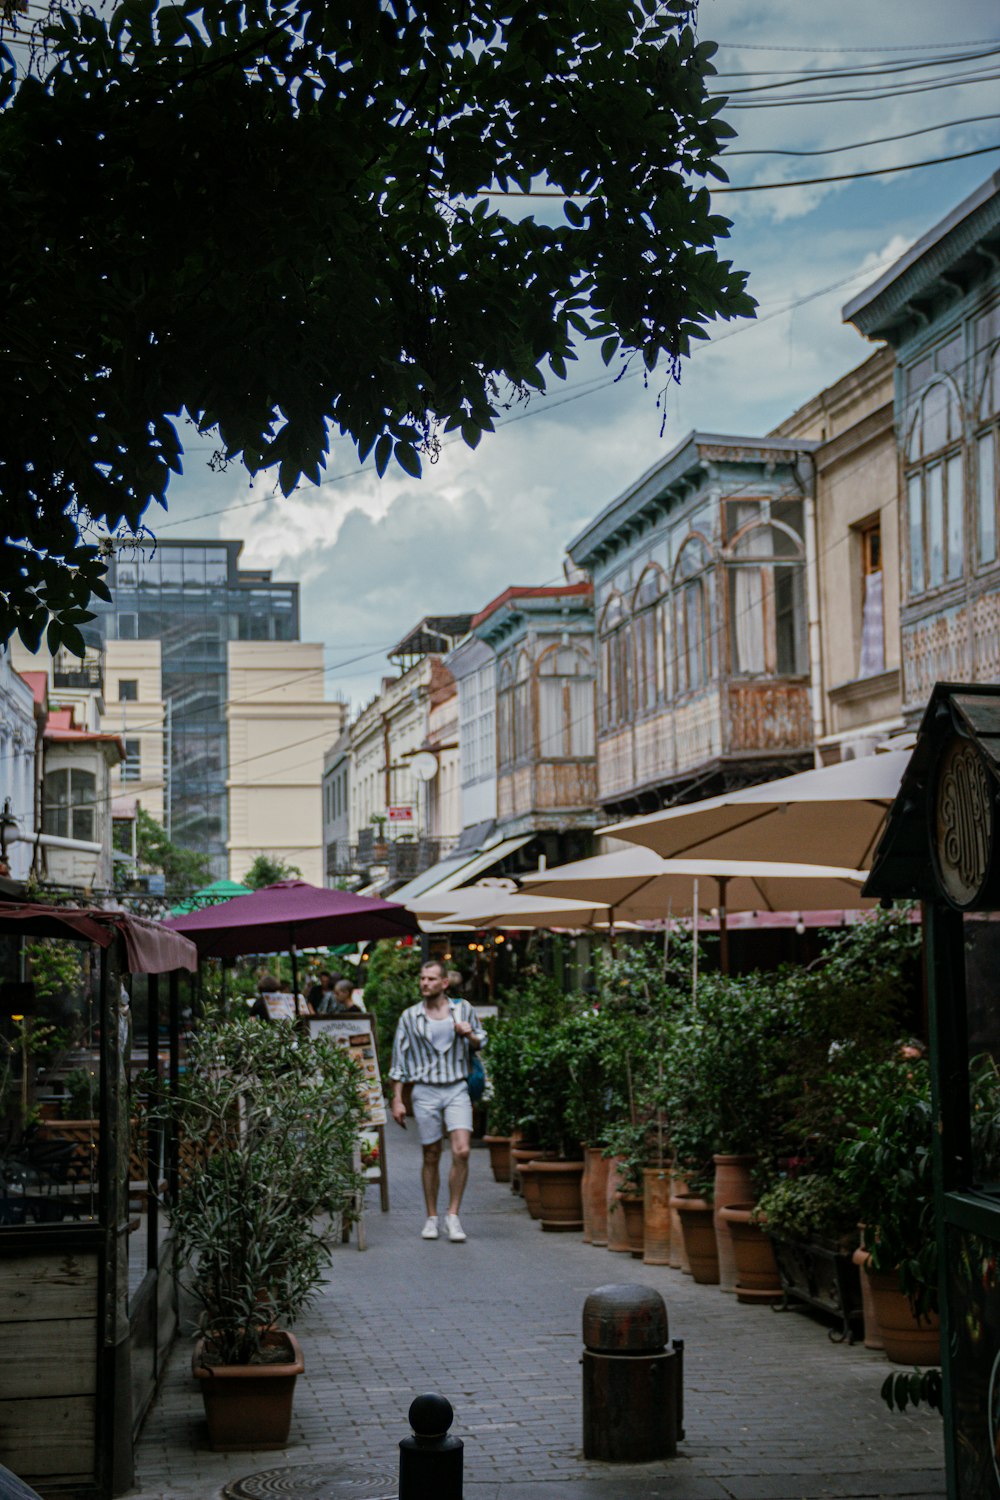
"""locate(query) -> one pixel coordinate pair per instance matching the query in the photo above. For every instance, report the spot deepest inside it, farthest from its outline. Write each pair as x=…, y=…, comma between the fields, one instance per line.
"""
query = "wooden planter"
x=597, y=1193
x=656, y=1216
x=907, y=1339
x=559, y=1194
x=824, y=1276
x=732, y=1185
x=632, y=1208
x=499, y=1149
x=698, y=1228
x=249, y=1406
x=757, y=1278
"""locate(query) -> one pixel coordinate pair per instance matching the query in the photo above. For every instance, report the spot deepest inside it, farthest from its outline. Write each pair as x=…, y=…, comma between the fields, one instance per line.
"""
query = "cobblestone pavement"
x=773, y=1409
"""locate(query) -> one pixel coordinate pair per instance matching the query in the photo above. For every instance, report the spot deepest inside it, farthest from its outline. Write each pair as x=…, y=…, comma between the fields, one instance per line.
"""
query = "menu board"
x=357, y=1035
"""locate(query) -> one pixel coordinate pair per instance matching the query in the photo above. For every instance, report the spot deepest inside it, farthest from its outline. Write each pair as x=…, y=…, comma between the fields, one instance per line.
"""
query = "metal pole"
x=694, y=957
x=723, y=926
x=168, y=769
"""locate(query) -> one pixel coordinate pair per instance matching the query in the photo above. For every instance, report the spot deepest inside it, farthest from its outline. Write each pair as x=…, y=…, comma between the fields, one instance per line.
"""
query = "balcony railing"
x=73, y=672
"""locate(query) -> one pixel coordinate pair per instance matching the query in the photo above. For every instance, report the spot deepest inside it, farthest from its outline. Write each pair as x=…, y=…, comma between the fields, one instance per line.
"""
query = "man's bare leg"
x=459, y=1174
x=431, y=1177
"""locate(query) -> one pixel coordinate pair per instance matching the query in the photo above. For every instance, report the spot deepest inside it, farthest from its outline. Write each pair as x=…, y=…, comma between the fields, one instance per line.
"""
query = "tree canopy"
x=265, y=220
x=267, y=870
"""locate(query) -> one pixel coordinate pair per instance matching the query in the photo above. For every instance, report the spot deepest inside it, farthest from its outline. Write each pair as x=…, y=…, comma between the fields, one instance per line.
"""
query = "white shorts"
x=439, y=1108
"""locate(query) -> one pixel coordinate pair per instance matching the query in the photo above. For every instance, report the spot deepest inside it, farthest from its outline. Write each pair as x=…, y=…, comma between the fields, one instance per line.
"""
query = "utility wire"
x=878, y=140
x=763, y=187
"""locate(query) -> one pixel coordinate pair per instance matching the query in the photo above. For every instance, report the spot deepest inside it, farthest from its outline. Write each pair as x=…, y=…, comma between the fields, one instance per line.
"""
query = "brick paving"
x=773, y=1409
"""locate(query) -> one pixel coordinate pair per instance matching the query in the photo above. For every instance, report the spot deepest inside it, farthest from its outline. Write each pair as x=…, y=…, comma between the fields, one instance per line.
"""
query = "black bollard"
x=430, y=1462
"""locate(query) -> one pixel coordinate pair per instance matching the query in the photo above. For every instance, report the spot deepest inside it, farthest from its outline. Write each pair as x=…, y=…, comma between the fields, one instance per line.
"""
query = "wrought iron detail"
x=964, y=830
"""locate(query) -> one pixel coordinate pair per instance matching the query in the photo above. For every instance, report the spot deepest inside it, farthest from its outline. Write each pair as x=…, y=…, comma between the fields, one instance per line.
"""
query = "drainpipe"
x=812, y=601
x=54, y=841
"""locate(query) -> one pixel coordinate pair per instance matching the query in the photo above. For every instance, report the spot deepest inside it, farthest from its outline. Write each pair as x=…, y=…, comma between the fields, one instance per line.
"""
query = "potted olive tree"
x=270, y=1120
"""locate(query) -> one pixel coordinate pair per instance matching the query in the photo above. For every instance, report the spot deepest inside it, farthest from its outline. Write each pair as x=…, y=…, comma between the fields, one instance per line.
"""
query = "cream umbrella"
x=438, y=906
x=640, y=886
x=831, y=816
x=517, y=910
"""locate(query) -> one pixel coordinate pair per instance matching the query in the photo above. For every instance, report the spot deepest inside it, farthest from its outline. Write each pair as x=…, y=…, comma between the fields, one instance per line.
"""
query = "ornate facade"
x=939, y=309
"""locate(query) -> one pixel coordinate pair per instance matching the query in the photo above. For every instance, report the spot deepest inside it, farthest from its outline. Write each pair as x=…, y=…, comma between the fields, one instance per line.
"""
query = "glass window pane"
x=956, y=550
x=935, y=525
x=986, y=504
x=789, y=621
x=916, y=534
x=935, y=414
x=746, y=605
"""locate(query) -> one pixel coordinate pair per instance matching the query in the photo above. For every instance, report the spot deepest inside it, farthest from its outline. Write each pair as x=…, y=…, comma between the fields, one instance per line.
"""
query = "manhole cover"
x=315, y=1482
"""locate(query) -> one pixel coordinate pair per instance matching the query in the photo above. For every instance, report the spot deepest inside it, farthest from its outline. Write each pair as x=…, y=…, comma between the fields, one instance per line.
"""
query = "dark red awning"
x=292, y=913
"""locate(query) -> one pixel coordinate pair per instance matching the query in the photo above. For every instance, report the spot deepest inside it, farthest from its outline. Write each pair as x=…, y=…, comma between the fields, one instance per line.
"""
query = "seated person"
x=343, y=999
x=275, y=1004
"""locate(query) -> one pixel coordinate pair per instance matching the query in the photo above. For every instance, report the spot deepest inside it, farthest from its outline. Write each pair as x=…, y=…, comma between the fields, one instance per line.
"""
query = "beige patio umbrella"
x=832, y=816
x=640, y=886
x=517, y=910
x=438, y=906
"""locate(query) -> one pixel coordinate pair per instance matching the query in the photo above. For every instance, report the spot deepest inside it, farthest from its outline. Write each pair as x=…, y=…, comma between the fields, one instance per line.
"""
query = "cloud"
x=375, y=555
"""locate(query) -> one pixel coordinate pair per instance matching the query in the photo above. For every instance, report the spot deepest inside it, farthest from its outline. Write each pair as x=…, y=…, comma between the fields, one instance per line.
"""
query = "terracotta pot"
x=520, y=1152
x=585, y=1197
x=698, y=1228
x=678, y=1250
x=907, y=1339
x=757, y=1278
x=872, y=1337
x=632, y=1206
x=618, y=1240
x=529, y=1189
x=597, y=1192
x=249, y=1406
x=656, y=1216
x=559, y=1194
x=732, y=1185
x=499, y=1148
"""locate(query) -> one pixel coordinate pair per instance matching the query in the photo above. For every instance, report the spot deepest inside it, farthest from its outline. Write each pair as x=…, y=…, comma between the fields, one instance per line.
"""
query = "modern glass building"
x=194, y=599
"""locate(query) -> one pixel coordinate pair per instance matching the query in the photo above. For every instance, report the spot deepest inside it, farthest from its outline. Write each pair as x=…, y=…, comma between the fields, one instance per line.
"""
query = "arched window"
x=692, y=649
x=767, y=616
x=505, y=715
x=69, y=798
x=650, y=605
x=616, y=663
x=988, y=460
x=934, y=488
x=565, y=676
x=523, y=737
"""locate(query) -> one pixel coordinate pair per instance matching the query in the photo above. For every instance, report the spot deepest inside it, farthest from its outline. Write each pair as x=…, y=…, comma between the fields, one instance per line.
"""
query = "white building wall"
x=17, y=759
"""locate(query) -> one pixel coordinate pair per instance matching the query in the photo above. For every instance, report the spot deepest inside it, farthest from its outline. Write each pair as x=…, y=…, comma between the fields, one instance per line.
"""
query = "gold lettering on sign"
x=964, y=822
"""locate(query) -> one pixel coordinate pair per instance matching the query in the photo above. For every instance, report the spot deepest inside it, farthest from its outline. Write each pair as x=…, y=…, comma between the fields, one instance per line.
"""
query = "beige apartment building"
x=134, y=710
x=279, y=726
x=857, y=557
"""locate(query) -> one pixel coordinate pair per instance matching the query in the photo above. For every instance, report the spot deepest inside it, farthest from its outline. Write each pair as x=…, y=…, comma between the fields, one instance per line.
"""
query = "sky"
x=374, y=556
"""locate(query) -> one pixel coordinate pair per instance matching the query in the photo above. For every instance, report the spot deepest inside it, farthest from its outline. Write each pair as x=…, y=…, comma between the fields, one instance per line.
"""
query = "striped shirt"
x=415, y=1059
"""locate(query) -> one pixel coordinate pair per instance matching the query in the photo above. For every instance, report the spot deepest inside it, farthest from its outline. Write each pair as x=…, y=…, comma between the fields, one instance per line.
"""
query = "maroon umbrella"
x=291, y=914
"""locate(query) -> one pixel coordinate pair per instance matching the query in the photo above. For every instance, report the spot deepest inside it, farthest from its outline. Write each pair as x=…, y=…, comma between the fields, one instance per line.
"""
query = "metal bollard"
x=632, y=1384
x=430, y=1462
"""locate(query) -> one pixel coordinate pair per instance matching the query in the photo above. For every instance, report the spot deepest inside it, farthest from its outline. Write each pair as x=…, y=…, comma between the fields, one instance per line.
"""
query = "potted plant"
x=888, y=1169
x=271, y=1120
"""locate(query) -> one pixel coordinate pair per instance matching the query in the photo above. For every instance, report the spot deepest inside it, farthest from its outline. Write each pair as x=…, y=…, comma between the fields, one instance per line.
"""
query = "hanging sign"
x=401, y=814
x=963, y=828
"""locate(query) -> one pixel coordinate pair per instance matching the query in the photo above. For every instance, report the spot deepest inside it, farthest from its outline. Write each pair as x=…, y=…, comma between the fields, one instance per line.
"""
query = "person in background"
x=275, y=1004
x=321, y=995
x=344, y=1002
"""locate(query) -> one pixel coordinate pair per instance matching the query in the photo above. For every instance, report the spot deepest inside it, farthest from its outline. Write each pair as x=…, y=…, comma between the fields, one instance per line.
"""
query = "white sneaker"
x=430, y=1229
x=454, y=1227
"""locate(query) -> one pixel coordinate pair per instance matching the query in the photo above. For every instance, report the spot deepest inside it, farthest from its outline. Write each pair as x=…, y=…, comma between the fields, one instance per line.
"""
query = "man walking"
x=432, y=1047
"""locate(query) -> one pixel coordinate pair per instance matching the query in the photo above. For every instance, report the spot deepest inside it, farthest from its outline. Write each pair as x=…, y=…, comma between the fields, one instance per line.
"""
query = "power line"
x=878, y=140
x=790, y=80
x=862, y=96
x=764, y=187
